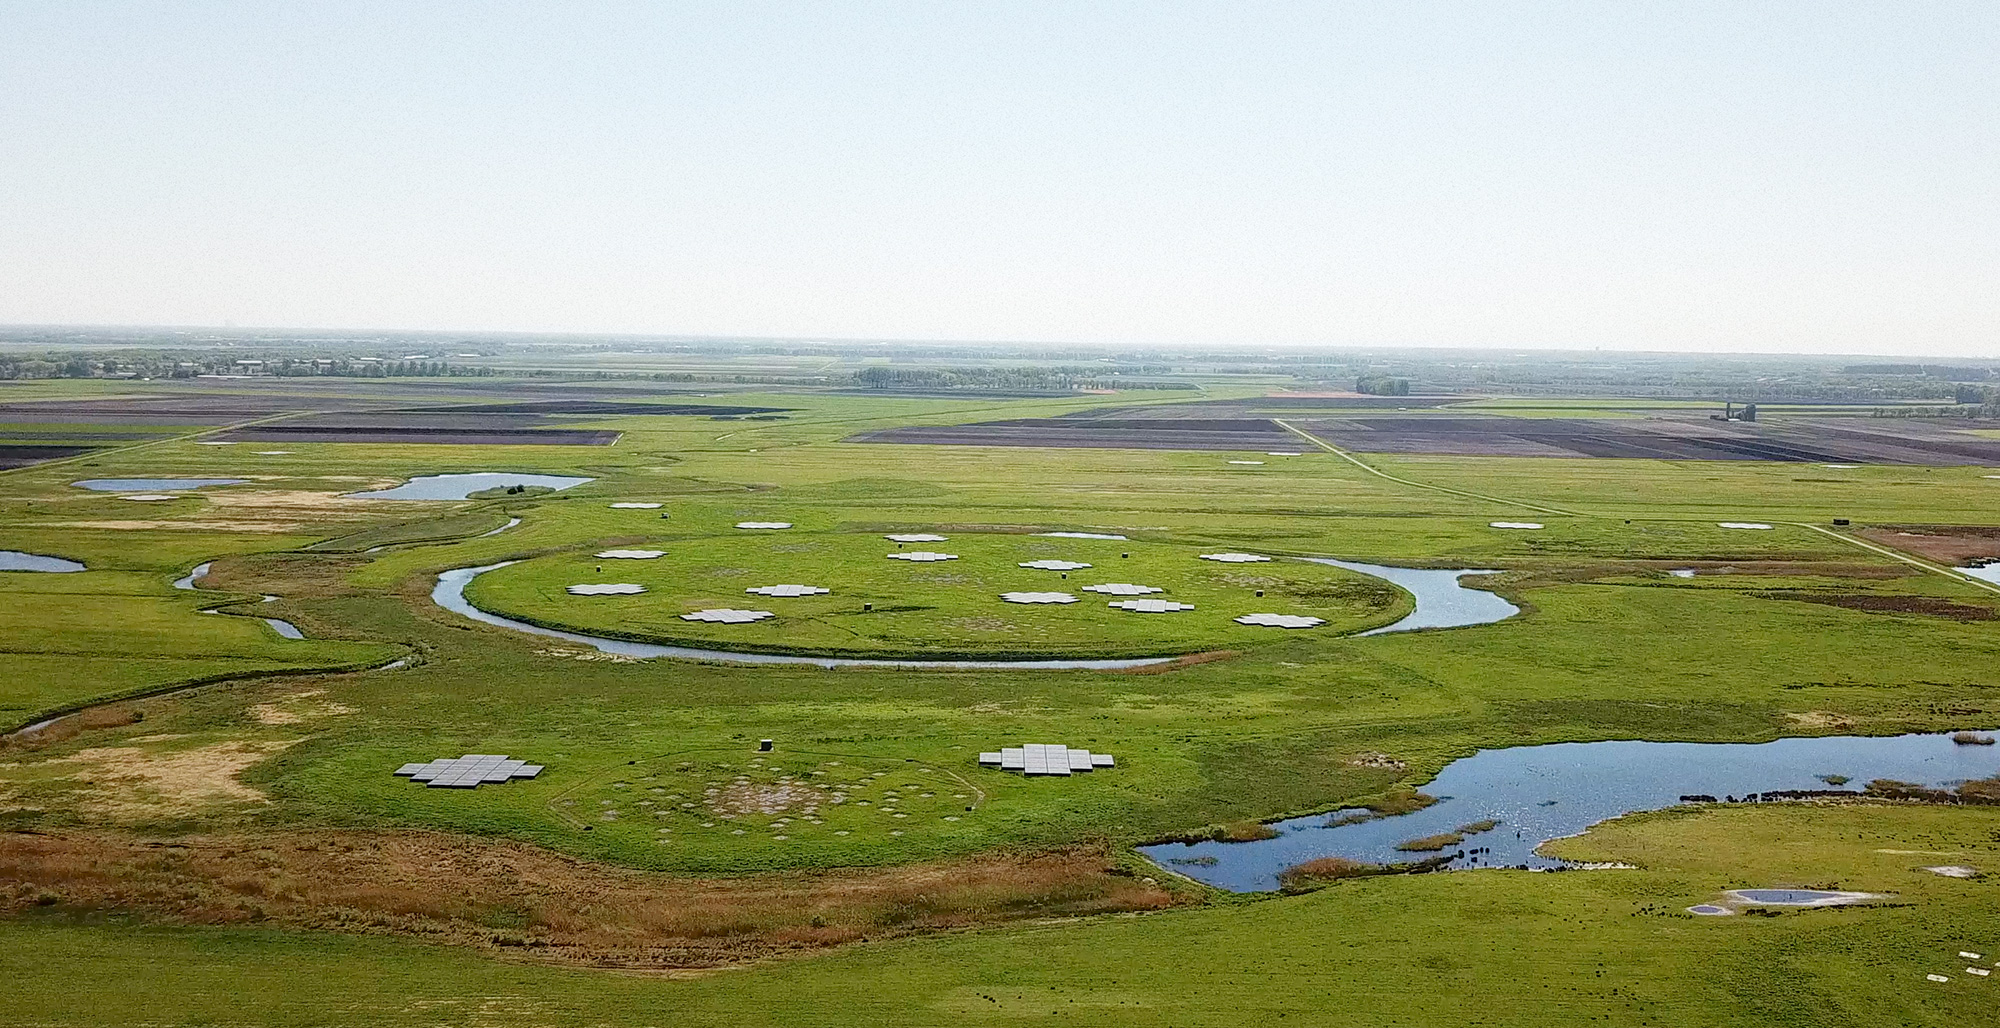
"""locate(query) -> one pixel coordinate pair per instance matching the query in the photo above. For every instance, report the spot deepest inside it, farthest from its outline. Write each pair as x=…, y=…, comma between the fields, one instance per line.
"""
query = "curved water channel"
x=284, y=628
x=1441, y=603
x=1539, y=793
x=450, y=594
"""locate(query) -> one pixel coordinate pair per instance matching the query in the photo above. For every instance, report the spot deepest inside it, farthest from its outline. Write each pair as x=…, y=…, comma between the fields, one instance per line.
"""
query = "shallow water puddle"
x=459, y=487
x=1534, y=794
x=16, y=560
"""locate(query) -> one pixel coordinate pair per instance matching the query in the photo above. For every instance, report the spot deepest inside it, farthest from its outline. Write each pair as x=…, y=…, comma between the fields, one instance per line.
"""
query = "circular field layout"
x=878, y=607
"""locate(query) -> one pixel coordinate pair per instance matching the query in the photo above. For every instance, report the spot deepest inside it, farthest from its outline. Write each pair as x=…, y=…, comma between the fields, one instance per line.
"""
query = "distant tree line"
x=1031, y=378
x=156, y=364
x=1382, y=385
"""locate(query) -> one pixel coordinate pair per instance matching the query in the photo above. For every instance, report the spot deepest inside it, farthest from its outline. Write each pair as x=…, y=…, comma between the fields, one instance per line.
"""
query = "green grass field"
x=652, y=765
x=1489, y=947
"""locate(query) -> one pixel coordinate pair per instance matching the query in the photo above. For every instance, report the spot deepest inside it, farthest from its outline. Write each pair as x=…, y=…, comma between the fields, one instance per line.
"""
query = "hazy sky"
x=1674, y=175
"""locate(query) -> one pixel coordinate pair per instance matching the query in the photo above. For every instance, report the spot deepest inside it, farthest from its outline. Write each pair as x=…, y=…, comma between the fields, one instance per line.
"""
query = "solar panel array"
x=632, y=554
x=728, y=616
x=1054, y=565
x=1038, y=597
x=607, y=589
x=787, y=590
x=1122, y=589
x=923, y=556
x=1046, y=759
x=469, y=771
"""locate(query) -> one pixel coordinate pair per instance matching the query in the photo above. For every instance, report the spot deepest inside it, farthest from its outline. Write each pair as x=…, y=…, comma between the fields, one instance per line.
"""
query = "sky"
x=1737, y=176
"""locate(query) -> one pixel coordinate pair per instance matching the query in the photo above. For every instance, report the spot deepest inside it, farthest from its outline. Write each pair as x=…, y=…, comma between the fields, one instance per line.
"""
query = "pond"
x=1984, y=572
x=187, y=581
x=458, y=487
x=152, y=485
x=1790, y=897
x=1538, y=793
x=15, y=560
x=450, y=594
x=1442, y=602
x=284, y=628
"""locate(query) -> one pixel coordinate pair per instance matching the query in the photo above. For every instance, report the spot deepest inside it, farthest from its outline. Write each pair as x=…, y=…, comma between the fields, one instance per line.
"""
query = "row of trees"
x=186, y=364
x=1025, y=378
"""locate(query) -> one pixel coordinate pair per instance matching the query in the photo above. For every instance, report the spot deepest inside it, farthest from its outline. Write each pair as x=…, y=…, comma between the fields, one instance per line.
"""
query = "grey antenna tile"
x=923, y=556
x=469, y=771
x=1054, y=565
x=631, y=554
x=1045, y=759
x=635, y=506
x=1038, y=597
x=763, y=524
x=1280, y=620
x=608, y=589
x=1235, y=558
x=1122, y=589
x=787, y=590
x=728, y=616
x=914, y=537
x=1150, y=606
x=1080, y=535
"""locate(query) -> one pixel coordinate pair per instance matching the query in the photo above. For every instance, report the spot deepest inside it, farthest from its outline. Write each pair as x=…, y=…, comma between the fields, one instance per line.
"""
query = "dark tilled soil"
x=423, y=434
x=1824, y=440
x=22, y=456
x=1875, y=603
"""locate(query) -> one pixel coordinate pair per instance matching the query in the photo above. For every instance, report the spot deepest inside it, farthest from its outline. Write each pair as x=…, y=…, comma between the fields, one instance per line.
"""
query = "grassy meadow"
x=652, y=765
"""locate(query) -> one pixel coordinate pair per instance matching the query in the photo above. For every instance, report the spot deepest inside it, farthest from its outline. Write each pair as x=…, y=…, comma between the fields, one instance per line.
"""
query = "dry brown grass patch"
x=1183, y=661
x=131, y=781
x=1947, y=544
x=514, y=897
x=298, y=708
